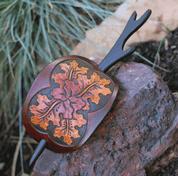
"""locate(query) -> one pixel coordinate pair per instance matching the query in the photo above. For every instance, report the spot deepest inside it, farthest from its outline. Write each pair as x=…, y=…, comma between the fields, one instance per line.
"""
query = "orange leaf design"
x=92, y=89
x=67, y=130
x=69, y=99
x=73, y=70
x=45, y=111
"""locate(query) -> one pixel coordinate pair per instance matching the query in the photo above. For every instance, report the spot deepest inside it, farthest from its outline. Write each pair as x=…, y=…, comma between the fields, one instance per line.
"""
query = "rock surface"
x=138, y=130
x=100, y=39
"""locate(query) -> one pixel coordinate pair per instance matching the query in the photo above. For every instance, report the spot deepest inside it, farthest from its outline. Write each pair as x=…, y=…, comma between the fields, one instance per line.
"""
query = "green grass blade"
x=9, y=61
x=156, y=57
x=144, y=58
x=45, y=33
x=26, y=50
x=11, y=5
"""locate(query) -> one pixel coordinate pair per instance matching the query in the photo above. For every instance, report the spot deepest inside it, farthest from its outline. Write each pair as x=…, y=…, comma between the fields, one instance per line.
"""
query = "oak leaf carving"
x=73, y=94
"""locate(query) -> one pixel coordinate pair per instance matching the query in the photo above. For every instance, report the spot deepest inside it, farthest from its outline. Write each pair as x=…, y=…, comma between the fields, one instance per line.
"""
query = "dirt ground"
x=167, y=59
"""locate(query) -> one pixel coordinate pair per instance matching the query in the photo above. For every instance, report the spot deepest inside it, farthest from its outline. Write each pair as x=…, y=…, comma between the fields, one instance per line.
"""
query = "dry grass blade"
x=15, y=139
x=10, y=125
x=16, y=154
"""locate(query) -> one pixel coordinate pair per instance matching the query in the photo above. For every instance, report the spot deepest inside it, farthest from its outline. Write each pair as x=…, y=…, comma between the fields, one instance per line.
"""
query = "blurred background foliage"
x=32, y=34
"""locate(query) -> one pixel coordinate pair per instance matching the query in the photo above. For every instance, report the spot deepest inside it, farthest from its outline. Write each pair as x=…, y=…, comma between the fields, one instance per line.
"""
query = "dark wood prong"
x=38, y=151
x=133, y=16
x=117, y=53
